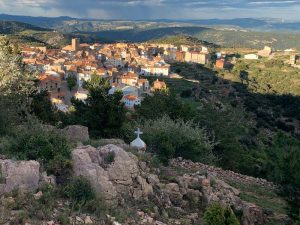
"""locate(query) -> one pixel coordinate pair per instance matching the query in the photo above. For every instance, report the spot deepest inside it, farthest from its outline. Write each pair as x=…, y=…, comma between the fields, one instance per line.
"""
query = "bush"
x=109, y=158
x=79, y=190
x=83, y=197
x=170, y=139
x=214, y=215
x=283, y=164
x=71, y=81
x=217, y=215
x=164, y=103
x=32, y=141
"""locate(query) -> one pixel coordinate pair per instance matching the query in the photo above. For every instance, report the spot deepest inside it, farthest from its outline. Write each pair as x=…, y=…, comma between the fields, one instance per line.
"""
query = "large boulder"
x=86, y=163
x=124, y=166
x=76, y=133
x=252, y=214
x=21, y=175
x=111, y=170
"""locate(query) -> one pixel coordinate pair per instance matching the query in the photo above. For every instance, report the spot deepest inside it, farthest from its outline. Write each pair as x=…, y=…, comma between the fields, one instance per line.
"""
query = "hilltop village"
x=63, y=72
x=127, y=67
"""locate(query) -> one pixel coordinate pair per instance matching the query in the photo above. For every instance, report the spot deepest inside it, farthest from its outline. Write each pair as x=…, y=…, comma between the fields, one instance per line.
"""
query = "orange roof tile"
x=130, y=97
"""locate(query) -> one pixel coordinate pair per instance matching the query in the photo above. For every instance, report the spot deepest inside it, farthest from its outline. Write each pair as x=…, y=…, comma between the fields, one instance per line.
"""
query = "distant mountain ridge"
x=59, y=30
x=62, y=22
x=11, y=27
x=46, y=22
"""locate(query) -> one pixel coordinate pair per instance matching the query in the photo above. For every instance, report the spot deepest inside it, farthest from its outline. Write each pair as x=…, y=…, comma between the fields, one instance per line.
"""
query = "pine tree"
x=214, y=215
x=16, y=85
x=217, y=215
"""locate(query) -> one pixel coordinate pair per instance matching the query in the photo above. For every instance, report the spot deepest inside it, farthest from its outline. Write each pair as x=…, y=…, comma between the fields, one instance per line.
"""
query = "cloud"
x=144, y=9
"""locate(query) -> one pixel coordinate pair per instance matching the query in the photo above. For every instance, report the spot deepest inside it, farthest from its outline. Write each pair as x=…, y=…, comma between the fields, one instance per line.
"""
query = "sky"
x=155, y=9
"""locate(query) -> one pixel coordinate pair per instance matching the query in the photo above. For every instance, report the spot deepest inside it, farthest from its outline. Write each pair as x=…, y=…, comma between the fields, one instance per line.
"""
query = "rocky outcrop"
x=76, y=133
x=222, y=174
x=21, y=175
x=112, y=171
x=252, y=214
x=116, y=174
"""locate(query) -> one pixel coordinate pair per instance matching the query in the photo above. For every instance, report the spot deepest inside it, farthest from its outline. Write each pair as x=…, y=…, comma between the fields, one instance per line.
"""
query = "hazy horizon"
x=155, y=9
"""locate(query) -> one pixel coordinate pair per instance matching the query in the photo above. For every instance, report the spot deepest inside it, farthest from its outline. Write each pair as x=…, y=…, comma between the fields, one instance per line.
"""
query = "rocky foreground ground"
x=128, y=180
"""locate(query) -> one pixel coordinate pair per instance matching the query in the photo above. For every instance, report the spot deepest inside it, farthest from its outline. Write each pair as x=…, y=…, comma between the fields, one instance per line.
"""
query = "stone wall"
x=219, y=173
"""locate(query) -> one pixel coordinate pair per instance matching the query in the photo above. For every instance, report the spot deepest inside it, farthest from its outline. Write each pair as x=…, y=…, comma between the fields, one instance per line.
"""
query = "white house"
x=158, y=69
x=127, y=90
x=123, y=54
x=131, y=100
x=116, y=62
x=130, y=79
x=82, y=77
x=81, y=94
x=251, y=56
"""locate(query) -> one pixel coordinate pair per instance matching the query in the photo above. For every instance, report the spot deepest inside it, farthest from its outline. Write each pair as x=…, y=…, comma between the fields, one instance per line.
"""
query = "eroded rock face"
x=86, y=162
x=21, y=175
x=76, y=133
x=124, y=166
x=115, y=174
x=205, y=190
x=111, y=170
x=252, y=214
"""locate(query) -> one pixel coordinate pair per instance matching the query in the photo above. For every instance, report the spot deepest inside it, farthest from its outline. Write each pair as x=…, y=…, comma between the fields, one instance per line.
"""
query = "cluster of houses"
x=265, y=52
x=125, y=66
x=191, y=54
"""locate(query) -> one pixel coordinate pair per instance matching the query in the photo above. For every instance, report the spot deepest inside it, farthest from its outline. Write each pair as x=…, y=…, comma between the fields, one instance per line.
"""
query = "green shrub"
x=283, y=163
x=109, y=158
x=32, y=141
x=97, y=206
x=79, y=190
x=63, y=219
x=215, y=214
x=164, y=103
x=168, y=139
x=71, y=81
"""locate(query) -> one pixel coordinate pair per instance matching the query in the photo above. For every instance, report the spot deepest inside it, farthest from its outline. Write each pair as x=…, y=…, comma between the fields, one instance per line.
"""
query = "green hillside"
x=250, y=39
x=222, y=37
x=24, y=33
x=11, y=27
x=183, y=40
